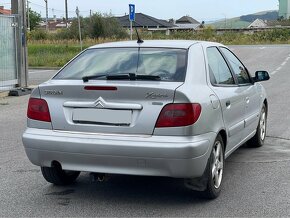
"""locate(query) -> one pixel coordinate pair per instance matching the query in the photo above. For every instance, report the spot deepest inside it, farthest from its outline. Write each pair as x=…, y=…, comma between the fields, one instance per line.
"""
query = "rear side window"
x=237, y=66
x=168, y=64
x=219, y=71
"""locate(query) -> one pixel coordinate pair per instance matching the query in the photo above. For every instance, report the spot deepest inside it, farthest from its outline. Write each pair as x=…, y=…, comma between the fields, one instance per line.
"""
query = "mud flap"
x=200, y=183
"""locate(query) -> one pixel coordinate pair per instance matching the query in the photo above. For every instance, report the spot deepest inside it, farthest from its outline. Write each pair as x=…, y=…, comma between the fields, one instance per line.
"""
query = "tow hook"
x=98, y=177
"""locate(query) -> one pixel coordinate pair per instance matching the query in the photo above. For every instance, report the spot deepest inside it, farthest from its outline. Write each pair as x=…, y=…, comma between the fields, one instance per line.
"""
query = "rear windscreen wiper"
x=129, y=76
x=148, y=77
x=133, y=76
x=87, y=78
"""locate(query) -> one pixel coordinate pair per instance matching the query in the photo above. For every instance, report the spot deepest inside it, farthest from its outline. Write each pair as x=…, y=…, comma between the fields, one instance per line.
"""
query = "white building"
x=258, y=23
x=284, y=9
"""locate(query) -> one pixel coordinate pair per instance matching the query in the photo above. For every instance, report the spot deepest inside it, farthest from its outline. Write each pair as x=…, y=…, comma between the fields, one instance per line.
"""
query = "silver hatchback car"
x=156, y=108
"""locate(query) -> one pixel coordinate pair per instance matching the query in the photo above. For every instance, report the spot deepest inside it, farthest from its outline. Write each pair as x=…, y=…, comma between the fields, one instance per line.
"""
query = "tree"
x=98, y=26
x=34, y=19
x=95, y=26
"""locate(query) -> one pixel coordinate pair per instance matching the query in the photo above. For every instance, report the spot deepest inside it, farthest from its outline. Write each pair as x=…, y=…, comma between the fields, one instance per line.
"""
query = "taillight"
x=176, y=115
x=38, y=110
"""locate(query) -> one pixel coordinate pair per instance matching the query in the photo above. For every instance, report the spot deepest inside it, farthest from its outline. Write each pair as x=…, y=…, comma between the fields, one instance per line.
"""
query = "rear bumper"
x=179, y=157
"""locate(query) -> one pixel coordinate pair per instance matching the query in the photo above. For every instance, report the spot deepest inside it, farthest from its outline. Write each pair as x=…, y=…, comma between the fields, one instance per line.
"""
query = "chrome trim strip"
x=236, y=128
x=251, y=119
x=101, y=103
x=240, y=144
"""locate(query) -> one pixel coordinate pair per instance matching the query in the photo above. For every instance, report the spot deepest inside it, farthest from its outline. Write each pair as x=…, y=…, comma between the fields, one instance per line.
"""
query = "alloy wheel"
x=218, y=164
x=263, y=125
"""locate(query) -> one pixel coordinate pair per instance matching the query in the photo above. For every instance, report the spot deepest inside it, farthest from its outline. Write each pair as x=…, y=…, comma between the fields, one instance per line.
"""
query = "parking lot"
x=256, y=181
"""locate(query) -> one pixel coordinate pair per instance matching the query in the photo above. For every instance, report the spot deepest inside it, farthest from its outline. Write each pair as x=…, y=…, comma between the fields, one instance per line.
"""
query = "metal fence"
x=8, y=52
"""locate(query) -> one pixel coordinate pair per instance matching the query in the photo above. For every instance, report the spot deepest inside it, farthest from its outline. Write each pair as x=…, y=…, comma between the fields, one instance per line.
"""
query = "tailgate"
x=122, y=107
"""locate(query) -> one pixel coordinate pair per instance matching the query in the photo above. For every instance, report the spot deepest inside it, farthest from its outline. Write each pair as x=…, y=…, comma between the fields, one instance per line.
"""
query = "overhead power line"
x=56, y=10
x=62, y=12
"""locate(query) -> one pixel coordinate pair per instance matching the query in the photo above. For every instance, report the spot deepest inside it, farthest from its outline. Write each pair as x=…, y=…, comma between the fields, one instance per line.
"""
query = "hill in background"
x=245, y=20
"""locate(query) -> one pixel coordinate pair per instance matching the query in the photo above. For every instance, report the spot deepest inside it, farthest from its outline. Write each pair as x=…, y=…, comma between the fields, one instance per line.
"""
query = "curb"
x=4, y=94
x=44, y=68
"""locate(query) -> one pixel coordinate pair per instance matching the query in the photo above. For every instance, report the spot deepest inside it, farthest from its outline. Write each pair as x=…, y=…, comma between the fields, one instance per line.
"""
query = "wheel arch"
x=266, y=104
x=223, y=134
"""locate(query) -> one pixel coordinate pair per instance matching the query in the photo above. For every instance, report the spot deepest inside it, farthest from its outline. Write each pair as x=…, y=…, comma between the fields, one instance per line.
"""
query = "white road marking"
x=285, y=62
x=262, y=48
x=42, y=71
x=280, y=67
x=274, y=72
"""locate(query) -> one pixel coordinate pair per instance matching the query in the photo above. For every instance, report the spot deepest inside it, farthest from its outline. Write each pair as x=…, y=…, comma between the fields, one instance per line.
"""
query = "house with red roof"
x=4, y=11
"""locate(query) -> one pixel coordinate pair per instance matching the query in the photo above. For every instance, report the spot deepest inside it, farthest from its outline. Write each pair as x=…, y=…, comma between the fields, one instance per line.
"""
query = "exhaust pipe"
x=98, y=177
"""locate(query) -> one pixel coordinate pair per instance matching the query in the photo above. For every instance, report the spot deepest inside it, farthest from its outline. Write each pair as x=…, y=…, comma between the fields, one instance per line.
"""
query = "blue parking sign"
x=131, y=12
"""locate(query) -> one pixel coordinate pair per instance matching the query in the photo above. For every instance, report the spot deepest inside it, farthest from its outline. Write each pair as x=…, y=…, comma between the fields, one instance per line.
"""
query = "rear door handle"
x=228, y=104
x=247, y=100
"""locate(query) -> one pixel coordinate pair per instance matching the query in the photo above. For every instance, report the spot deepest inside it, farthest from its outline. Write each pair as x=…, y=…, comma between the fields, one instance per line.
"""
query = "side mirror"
x=261, y=76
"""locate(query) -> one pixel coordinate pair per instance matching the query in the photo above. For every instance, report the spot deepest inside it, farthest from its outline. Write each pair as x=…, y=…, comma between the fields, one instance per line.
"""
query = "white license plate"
x=102, y=116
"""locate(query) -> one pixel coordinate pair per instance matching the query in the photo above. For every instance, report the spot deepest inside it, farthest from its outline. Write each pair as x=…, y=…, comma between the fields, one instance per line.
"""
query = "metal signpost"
x=46, y=18
x=80, y=30
x=131, y=18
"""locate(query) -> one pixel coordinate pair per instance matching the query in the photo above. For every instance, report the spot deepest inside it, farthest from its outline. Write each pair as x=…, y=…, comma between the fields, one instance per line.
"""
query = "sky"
x=203, y=10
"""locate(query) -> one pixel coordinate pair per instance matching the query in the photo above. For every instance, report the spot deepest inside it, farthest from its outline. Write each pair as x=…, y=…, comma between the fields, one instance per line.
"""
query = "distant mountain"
x=270, y=15
x=245, y=20
x=233, y=23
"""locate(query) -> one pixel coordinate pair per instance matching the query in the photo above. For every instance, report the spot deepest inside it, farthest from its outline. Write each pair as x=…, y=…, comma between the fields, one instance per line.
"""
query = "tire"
x=215, y=169
x=57, y=176
x=260, y=136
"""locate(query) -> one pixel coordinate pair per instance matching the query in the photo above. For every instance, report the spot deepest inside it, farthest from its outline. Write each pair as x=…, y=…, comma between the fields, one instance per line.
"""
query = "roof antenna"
x=138, y=37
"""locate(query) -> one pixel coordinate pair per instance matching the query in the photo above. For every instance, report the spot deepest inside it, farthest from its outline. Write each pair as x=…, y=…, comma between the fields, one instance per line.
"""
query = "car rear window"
x=168, y=64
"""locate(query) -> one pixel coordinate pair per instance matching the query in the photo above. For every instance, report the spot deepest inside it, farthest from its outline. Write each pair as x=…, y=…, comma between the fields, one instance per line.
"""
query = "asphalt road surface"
x=39, y=76
x=256, y=181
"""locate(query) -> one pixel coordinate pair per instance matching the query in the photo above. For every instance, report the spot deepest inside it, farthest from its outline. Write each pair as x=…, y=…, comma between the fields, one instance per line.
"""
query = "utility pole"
x=80, y=31
x=28, y=16
x=14, y=6
x=53, y=15
x=19, y=10
x=46, y=19
x=66, y=14
x=225, y=21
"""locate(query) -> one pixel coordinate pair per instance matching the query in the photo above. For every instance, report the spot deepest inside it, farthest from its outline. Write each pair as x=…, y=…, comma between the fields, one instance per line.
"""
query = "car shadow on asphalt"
x=127, y=189
x=149, y=190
